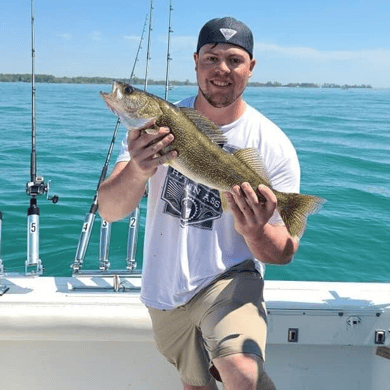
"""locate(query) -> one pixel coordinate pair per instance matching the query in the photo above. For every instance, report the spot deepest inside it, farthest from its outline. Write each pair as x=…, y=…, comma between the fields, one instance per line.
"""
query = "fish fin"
x=152, y=130
x=295, y=208
x=206, y=126
x=252, y=159
x=224, y=203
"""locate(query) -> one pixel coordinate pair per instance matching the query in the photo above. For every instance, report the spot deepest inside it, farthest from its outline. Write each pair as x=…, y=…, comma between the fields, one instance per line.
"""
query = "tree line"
x=45, y=78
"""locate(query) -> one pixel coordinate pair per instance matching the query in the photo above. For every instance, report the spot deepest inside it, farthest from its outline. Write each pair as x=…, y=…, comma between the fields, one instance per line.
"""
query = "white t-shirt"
x=189, y=240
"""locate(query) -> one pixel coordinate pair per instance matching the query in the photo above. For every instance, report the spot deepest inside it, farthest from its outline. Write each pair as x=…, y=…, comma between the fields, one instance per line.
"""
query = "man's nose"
x=223, y=67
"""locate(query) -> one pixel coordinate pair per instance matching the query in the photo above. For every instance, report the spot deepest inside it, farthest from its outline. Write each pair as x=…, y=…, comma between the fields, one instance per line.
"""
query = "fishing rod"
x=169, y=59
x=36, y=186
x=134, y=217
x=149, y=44
x=89, y=220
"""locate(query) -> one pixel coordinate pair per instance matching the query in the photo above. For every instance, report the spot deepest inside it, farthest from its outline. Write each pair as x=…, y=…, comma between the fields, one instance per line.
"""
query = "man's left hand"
x=250, y=213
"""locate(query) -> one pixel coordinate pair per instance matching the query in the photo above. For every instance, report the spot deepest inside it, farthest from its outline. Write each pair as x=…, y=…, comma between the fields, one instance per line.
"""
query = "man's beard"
x=224, y=101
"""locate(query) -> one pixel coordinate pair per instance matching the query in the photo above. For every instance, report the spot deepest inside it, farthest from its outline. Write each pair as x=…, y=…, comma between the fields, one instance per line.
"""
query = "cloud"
x=180, y=42
x=96, y=35
x=372, y=55
x=66, y=37
x=132, y=38
x=185, y=41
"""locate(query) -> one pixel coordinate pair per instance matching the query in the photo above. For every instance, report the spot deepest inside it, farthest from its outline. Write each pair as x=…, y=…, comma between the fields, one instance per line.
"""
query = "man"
x=202, y=271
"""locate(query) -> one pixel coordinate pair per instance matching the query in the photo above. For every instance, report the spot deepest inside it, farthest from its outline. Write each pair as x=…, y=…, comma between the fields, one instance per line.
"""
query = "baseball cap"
x=226, y=30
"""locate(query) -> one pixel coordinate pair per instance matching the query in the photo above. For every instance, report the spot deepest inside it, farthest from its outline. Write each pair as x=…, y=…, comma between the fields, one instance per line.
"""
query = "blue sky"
x=333, y=41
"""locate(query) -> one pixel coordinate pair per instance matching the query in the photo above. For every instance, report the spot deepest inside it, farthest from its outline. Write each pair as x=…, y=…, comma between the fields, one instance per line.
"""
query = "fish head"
x=135, y=108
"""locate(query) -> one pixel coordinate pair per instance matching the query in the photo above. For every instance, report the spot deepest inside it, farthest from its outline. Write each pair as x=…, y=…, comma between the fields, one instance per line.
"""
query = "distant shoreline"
x=43, y=78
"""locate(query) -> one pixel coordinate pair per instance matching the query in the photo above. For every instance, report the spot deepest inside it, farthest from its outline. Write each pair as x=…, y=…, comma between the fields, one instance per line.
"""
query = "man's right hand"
x=122, y=191
x=146, y=150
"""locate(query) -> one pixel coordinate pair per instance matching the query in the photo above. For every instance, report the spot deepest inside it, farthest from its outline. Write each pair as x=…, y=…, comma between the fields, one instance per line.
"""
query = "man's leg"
x=243, y=372
x=181, y=343
x=231, y=315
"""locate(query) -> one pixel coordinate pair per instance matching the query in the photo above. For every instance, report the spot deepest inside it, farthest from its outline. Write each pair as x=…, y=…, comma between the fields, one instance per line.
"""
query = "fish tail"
x=295, y=208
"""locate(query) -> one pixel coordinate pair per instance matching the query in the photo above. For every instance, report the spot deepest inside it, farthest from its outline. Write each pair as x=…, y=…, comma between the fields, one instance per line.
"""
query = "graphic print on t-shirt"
x=195, y=204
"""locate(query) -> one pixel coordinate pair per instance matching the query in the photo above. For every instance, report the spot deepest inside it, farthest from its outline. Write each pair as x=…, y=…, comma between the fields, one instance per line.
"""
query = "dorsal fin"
x=252, y=159
x=206, y=126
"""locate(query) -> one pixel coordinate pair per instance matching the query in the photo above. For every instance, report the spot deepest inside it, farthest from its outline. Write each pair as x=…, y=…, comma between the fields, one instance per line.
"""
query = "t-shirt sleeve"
x=124, y=154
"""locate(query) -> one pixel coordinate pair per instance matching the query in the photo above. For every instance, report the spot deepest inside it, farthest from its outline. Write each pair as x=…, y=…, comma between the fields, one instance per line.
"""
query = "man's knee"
x=238, y=371
x=243, y=371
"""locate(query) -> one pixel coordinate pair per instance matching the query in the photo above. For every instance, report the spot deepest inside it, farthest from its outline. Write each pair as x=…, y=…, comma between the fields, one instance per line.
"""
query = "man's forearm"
x=273, y=245
x=120, y=193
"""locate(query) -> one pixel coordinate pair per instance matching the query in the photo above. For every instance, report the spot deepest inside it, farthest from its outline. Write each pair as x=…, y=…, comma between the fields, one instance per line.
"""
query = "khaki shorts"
x=225, y=318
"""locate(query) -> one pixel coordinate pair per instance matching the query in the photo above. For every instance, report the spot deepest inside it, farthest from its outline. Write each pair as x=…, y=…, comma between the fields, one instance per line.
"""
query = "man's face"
x=222, y=72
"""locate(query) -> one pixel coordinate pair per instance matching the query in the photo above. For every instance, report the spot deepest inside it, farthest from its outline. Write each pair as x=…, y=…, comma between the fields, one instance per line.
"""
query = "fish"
x=200, y=155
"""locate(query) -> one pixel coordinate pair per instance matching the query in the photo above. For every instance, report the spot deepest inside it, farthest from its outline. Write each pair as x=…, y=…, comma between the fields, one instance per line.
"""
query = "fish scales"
x=220, y=170
x=200, y=156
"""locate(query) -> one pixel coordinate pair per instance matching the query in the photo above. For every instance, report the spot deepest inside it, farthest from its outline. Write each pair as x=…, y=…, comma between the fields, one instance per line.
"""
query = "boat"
x=90, y=331
x=93, y=333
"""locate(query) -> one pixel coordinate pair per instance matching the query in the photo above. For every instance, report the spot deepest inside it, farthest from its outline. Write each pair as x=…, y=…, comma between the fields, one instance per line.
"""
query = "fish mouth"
x=112, y=103
x=116, y=107
x=114, y=100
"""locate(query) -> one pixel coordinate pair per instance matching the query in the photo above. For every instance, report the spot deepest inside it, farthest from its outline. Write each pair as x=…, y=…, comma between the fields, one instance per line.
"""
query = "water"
x=343, y=143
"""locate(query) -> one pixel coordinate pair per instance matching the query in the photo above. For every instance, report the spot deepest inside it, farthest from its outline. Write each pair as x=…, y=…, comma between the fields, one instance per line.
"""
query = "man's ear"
x=196, y=58
x=252, y=66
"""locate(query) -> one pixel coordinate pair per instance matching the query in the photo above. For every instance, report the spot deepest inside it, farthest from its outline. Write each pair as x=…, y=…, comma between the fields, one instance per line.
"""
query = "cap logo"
x=228, y=33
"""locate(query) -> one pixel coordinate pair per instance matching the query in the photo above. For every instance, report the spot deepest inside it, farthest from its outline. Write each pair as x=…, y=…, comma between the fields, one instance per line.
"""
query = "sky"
x=314, y=41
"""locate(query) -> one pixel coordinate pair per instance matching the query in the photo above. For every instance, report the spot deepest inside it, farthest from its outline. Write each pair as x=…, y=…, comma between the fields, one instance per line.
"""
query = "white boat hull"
x=55, y=337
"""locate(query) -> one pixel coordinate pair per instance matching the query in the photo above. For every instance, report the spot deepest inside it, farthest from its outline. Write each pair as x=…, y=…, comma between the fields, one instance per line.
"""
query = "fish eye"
x=129, y=89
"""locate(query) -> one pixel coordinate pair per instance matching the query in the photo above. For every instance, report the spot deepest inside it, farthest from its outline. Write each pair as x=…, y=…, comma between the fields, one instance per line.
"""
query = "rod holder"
x=104, y=247
x=33, y=259
x=83, y=241
x=132, y=239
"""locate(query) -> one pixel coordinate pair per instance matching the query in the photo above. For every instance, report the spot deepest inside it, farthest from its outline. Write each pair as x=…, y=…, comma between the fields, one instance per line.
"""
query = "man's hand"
x=250, y=213
x=268, y=243
x=122, y=191
x=144, y=150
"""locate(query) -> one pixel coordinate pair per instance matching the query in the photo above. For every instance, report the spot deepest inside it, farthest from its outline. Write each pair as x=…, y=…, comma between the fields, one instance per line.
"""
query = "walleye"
x=200, y=156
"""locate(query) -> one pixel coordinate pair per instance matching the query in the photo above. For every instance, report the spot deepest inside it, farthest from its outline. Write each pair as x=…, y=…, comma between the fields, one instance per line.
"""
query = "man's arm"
x=122, y=191
x=268, y=243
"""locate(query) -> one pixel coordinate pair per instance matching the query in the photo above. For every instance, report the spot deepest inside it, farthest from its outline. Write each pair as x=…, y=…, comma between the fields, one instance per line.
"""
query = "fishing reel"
x=39, y=187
